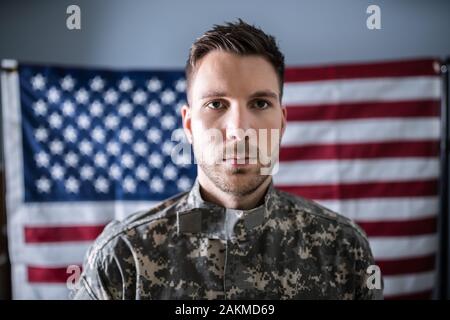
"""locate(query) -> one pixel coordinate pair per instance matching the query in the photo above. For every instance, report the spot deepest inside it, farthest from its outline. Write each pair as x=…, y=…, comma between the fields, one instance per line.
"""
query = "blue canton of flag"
x=101, y=135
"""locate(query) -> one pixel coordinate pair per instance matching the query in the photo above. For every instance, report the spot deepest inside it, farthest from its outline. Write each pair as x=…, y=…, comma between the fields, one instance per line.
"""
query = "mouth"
x=239, y=161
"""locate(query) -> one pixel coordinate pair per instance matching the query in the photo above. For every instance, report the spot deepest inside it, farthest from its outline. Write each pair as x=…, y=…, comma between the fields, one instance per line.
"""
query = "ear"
x=186, y=118
x=283, y=120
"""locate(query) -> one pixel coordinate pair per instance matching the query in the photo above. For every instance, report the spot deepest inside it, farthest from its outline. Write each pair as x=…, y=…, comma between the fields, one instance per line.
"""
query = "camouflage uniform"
x=187, y=248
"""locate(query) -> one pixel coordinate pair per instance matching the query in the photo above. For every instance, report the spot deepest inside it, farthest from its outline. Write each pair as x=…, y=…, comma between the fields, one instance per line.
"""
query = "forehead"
x=235, y=74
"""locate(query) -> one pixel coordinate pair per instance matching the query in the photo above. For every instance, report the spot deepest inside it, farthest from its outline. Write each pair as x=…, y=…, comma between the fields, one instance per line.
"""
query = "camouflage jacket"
x=187, y=248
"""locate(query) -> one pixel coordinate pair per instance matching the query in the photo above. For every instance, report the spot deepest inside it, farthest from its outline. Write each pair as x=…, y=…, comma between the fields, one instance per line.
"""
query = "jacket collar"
x=197, y=216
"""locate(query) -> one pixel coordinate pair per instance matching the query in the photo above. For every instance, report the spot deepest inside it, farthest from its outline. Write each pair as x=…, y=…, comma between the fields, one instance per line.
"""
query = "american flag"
x=85, y=146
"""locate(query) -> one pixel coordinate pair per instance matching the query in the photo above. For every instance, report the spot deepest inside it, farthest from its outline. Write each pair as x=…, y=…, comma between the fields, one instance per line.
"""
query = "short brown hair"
x=239, y=38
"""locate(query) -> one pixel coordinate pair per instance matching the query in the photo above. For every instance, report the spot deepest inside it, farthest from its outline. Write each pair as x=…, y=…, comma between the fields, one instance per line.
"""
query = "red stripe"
x=423, y=67
x=407, y=266
x=366, y=150
x=380, y=189
x=61, y=234
x=48, y=274
x=400, y=228
x=422, y=295
x=399, y=109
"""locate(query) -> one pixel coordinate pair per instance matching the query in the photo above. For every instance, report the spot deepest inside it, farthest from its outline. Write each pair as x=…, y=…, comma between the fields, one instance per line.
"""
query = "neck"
x=211, y=193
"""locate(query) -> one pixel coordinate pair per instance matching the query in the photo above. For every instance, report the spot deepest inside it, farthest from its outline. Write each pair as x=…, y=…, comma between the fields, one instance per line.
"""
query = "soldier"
x=233, y=235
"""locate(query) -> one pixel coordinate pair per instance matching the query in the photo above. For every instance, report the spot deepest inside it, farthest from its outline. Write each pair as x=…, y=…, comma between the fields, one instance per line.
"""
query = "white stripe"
x=74, y=213
x=385, y=209
x=403, y=247
x=296, y=173
x=54, y=254
x=353, y=90
x=360, y=130
x=408, y=284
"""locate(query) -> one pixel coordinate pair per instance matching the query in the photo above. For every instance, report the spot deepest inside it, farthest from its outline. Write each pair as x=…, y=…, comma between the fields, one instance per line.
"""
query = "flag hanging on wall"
x=85, y=146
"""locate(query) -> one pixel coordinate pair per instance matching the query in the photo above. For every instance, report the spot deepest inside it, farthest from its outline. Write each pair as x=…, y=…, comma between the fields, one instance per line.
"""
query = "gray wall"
x=138, y=33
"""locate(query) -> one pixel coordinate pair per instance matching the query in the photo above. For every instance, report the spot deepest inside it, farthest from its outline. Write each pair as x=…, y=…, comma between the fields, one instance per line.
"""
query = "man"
x=233, y=235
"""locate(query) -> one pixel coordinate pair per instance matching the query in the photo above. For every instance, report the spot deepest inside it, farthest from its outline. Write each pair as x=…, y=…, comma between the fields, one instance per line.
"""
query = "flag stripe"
x=422, y=295
x=405, y=266
x=39, y=274
x=366, y=189
x=389, y=149
x=409, y=283
x=392, y=248
x=400, y=227
x=45, y=234
x=372, y=109
x=361, y=90
x=299, y=133
x=298, y=173
x=422, y=67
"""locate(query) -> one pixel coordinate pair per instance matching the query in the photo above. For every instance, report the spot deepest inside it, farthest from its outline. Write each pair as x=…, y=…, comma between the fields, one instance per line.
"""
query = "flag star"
x=140, y=148
x=170, y=172
x=154, y=135
x=53, y=95
x=82, y=96
x=38, y=82
x=43, y=185
x=72, y=185
x=129, y=185
x=42, y=159
x=182, y=160
x=125, y=135
x=125, y=84
x=113, y=148
x=111, y=122
x=55, y=120
x=86, y=147
x=168, y=121
x=71, y=159
x=97, y=84
x=110, y=96
x=155, y=160
x=127, y=160
x=184, y=183
x=67, y=83
x=100, y=160
x=70, y=134
x=101, y=185
x=154, y=109
x=41, y=134
x=154, y=84
x=139, y=97
x=57, y=171
x=98, y=135
x=139, y=122
x=56, y=147
x=167, y=147
x=40, y=107
x=83, y=121
x=157, y=184
x=86, y=172
x=68, y=108
x=115, y=172
x=142, y=173
x=125, y=108
x=180, y=85
x=168, y=96
x=96, y=108
x=179, y=105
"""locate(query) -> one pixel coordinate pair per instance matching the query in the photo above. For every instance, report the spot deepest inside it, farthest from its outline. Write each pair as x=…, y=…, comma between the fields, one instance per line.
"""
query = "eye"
x=216, y=104
x=261, y=104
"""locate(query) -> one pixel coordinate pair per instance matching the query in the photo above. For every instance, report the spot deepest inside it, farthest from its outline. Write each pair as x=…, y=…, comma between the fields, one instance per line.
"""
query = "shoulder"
x=122, y=235
x=315, y=216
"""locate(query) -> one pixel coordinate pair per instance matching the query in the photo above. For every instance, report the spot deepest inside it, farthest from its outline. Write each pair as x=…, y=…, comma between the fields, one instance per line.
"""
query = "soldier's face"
x=232, y=98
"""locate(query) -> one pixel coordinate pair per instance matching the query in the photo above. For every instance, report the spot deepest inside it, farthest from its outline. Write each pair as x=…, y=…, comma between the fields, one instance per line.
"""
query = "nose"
x=237, y=122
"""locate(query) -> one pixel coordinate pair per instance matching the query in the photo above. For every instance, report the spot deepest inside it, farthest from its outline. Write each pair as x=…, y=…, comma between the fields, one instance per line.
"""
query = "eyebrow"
x=257, y=94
